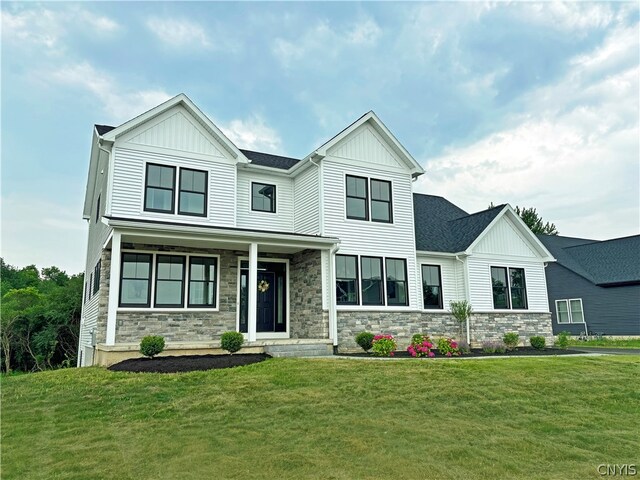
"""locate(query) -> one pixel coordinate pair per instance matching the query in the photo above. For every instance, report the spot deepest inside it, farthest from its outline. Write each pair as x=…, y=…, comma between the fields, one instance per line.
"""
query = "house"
x=594, y=286
x=191, y=236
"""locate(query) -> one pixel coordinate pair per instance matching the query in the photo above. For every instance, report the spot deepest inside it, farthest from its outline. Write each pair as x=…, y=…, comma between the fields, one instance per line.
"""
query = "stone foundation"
x=493, y=326
x=306, y=317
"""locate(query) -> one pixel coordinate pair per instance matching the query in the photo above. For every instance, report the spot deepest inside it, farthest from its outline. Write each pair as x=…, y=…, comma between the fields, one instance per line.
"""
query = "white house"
x=191, y=236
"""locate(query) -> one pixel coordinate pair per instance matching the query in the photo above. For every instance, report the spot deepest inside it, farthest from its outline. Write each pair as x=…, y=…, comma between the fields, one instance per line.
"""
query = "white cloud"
x=252, y=134
x=366, y=32
x=178, y=32
x=574, y=155
x=119, y=103
x=573, y=16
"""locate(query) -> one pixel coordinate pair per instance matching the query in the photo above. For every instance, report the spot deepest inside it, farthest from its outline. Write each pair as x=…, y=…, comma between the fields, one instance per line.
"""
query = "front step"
x=299, y=350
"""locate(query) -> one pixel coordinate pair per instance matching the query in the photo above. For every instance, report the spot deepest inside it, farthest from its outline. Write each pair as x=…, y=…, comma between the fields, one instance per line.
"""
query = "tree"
x=17, y=307
x=534, y=221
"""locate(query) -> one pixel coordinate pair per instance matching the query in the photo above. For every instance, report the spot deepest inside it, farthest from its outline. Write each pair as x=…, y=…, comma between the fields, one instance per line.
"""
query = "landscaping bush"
x=151, y=345
x=562, y=341
x=464, y=348
x=537, y=342
x=448, y=347
x=493, y=347
x=365, y=340
x=511, y=340
x=384, y=345
x=420, y=346
x=231, y=341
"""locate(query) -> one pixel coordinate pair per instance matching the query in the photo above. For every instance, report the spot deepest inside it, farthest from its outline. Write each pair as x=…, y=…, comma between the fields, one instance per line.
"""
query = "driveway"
x=608, y=351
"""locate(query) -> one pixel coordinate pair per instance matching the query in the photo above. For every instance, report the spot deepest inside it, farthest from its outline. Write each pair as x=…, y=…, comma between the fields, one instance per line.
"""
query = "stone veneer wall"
x=103, y=302
x=402, y=325
x=306, y=317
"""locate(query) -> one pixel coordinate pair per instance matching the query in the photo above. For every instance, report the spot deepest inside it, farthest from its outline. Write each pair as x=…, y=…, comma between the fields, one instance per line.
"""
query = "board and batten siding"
x=480, y=289
x=128, y=185
x=358, y=237
x=504, y=239
x=306, y=198
x=281, y=220
x=451, y=275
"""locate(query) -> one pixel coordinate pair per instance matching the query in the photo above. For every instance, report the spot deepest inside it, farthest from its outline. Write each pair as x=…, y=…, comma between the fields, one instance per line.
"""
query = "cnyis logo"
x=619, y=470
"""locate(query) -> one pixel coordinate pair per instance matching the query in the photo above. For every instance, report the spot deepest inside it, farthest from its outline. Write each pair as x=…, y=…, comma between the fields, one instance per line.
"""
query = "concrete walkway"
x=608, y=351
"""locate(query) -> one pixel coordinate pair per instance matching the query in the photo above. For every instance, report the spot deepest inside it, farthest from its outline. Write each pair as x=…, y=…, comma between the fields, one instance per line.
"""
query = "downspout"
x=466, y=295
x=321, y=197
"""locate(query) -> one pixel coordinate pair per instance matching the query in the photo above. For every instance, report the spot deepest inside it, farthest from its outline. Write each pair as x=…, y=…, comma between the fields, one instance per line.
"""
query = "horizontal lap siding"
x=371, y=238
x=481, y=294
x=282, y=220
x=128, y=186
x=306, y=197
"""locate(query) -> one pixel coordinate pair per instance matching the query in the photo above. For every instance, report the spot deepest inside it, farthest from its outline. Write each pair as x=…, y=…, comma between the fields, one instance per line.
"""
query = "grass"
x=546, y=417
x=606, y=343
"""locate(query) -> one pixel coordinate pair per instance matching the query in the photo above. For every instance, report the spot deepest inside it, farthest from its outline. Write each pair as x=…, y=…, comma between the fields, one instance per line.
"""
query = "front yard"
x=548, y=417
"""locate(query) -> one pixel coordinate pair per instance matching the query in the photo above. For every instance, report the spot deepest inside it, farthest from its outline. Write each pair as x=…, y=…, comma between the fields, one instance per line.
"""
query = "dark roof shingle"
x=270, y=160
x=102, y=129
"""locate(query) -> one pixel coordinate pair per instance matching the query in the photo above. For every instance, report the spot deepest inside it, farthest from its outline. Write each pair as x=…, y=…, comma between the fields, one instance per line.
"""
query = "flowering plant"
x=384, y=345
x=448, y=347
x=420, y=346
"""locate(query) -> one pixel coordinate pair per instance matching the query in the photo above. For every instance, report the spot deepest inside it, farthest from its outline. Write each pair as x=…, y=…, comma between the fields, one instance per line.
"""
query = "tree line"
x=40, y=318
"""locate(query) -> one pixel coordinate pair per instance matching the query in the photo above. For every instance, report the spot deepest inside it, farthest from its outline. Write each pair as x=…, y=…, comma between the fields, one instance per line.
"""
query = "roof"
x=605, y=263
x=441, y=226
x=270, y=160
x=102, y=129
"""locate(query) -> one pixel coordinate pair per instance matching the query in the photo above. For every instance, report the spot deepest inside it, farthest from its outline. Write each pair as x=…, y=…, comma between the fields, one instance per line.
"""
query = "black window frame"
x=157, y=279
x=523, y=288
x=356, y=280
x=214, y=281
x=381, y=282
x=426, y=285
x=388, y=202
x=405, y=281
x=98, y=209
x=204, y=194
x=504, y=288
x=273, y=200
x=147, y=187
x=96, y=276
x=365, y=198
x=149, y=279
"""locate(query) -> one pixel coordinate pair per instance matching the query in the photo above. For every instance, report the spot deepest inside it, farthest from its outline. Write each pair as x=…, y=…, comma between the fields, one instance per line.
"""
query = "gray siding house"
x=594, y=286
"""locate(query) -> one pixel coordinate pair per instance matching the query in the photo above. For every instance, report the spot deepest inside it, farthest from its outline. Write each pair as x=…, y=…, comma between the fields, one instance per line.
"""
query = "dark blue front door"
x=265, y=321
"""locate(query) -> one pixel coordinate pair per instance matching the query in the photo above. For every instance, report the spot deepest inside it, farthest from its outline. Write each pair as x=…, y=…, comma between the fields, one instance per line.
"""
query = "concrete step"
x=299, y=350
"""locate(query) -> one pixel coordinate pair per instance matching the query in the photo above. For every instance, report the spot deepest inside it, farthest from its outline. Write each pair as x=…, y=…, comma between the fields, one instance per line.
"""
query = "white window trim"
x=568, y=301
x=185, y=299
x=344, y=196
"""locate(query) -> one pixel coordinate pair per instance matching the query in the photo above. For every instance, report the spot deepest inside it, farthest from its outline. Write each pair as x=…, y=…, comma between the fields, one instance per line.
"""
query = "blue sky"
x=534, y=104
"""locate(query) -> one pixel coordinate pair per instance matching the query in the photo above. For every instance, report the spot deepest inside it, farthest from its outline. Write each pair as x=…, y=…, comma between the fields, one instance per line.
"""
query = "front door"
x=265, y=312
x=271, y=297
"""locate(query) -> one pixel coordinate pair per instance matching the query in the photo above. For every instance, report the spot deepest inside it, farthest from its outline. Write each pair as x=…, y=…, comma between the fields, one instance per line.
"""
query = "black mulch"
x=519, y=352
x=187, y=363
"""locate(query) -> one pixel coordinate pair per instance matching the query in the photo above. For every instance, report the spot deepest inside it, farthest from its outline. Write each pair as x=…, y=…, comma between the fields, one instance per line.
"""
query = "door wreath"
x=263, y=286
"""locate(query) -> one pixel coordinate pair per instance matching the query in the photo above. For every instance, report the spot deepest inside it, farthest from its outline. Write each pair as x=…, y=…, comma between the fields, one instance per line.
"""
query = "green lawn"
x=607, y=343
x=529, y=418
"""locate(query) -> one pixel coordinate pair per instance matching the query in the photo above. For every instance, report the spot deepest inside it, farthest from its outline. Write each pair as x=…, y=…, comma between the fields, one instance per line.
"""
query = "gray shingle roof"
x=608, y=262
x=102, y=129
x=269, y=160
x=441, y=226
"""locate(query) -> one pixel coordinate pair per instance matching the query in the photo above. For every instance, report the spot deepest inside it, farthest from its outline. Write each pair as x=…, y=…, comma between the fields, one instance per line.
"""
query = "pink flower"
x=448, y=354
x=391, y=354
x=454, y=345
x=431, y=354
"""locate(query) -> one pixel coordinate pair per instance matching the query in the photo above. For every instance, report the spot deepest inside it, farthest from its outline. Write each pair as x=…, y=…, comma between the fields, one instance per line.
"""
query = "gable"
x=366, y=145
x=504, y=239
x=176, y=130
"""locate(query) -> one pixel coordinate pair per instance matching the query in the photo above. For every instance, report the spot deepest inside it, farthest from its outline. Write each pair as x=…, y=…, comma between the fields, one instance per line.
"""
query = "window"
x=569, y=311
x=202, y=281
x=98, y=209
x=357, y=198
x=346, y=280
x=135, y=285
x=159, y=188
x=263, y=197
x=90, y=285
x=96, y=276
x=431, y=286
x=192, y=198
x=380, y=201
x=509, y=288
x=396, y=282
x=372, y=286
x=86, y=292
x=169, y=281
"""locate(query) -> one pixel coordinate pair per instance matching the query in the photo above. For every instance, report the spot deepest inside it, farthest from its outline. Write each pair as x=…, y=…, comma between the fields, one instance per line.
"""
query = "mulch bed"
x=476, y=352
x=187, y=363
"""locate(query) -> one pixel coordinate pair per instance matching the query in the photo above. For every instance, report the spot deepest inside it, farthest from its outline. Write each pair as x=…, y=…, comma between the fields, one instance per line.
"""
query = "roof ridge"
x=599, y=242
x=265, y=153
x=480, y=212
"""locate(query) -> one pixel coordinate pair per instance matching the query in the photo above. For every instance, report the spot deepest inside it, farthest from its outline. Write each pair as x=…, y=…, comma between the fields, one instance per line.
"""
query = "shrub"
x=563, y=340
x=231, y=341
x=537, y=342
x=365, y=340
x=420, y=346
x=384, y=345
x=493, y=347
x=151, y=345
x=464, y=348
x=448, y=347
x=511, y=340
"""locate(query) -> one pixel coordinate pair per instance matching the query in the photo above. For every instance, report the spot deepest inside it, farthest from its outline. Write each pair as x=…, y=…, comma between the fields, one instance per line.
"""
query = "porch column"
x=333, y=314
x=114, y=287
x=253, y=291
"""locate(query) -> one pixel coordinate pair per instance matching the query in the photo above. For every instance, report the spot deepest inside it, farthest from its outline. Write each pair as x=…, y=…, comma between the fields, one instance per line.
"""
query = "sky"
x=532, y=104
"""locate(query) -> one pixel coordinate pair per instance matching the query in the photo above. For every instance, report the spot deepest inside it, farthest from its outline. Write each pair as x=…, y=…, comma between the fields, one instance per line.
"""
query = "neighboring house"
x=595, y=285
x=190, y=236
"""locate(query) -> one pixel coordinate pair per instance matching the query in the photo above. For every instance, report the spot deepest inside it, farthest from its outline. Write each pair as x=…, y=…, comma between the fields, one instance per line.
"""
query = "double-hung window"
x=569, y=311
x=396, y=282
x=135, y=284
x=381, y=201
x=160, y=188
x=346, y=280
x=169, y=281
x=431, y=287
x=357, y=198
x=96, y=276
x=368, y=198
x=509, y=288
x=263, y=197
x=192, y=198
x=202, y=282
x=372, y=284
